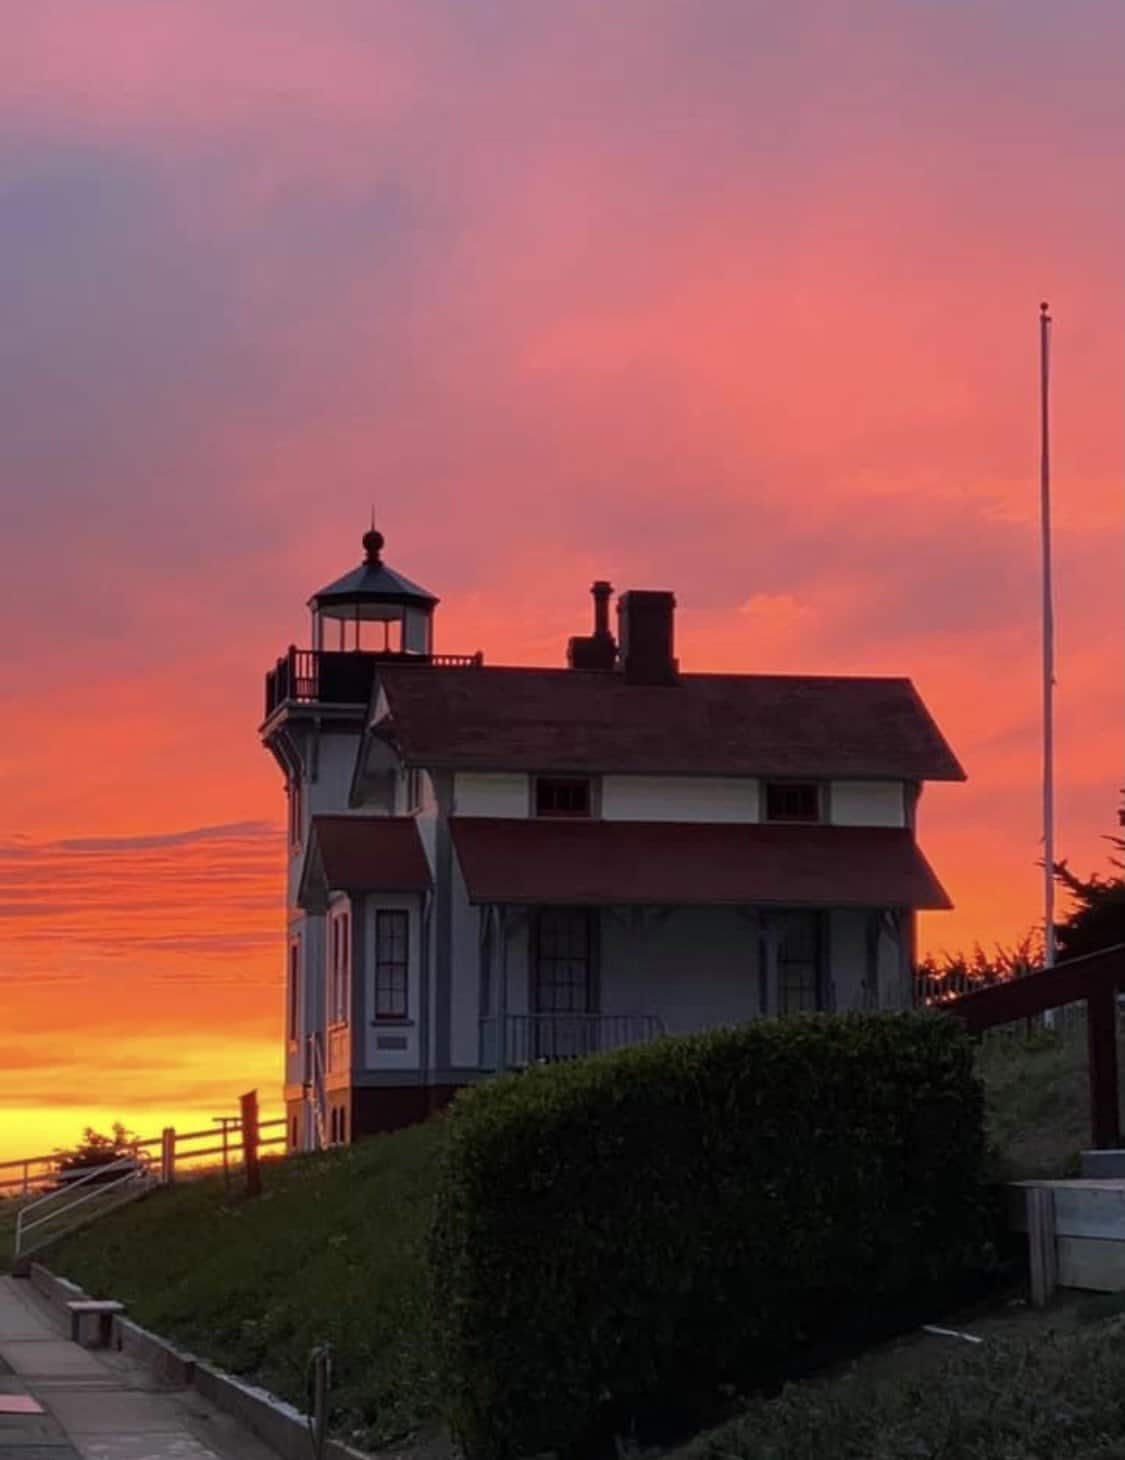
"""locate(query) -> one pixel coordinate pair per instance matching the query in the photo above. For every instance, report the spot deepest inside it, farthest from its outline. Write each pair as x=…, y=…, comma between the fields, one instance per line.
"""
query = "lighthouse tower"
x=316, y=709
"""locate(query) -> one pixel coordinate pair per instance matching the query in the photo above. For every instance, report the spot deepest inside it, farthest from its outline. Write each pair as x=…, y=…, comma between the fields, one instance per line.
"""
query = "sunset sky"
x=723, y=296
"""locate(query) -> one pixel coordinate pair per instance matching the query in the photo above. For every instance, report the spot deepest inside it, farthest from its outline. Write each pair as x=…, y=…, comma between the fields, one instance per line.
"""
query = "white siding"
x=328, y=794
x=485, y=793
x=679, y=798
x=309, y=928
x=895, y=991
x=867, y=803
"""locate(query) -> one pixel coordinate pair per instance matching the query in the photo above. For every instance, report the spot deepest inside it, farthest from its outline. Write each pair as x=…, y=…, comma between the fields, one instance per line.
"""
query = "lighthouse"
x=317, y=703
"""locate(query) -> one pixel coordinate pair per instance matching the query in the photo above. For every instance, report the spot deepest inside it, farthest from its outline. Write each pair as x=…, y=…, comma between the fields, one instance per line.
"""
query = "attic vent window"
x=792, y=801
x=562, y=796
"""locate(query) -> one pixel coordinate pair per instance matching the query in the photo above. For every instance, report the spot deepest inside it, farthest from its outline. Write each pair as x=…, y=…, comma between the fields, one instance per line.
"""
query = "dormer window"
x=563, y=796
x=793, y=801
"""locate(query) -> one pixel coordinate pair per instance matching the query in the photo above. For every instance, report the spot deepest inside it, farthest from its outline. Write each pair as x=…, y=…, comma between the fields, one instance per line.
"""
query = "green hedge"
x=646, y=1225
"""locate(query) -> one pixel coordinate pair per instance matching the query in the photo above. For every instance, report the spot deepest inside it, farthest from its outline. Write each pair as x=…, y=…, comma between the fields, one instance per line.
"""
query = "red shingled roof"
x=354, y=853
x=680, y=863
x=707, y=724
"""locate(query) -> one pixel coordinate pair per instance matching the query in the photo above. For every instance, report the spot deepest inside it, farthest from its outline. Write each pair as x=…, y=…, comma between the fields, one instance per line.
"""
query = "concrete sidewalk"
x=96, y=1404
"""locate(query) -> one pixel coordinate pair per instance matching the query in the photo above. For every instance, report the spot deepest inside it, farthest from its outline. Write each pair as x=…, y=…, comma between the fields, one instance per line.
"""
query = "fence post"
x=1101, y=1035
x=249, y=1104
x=1041, y=1251
x=167, y=1155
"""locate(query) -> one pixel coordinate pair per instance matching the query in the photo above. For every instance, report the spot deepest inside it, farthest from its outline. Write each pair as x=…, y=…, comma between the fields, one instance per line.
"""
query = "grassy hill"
x=1037, y=1097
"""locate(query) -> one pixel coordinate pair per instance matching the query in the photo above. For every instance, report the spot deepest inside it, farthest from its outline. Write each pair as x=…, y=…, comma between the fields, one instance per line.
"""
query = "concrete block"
x=1091, y=1263
x=169, y=1364
x=58, y=1291
x=277, y=1423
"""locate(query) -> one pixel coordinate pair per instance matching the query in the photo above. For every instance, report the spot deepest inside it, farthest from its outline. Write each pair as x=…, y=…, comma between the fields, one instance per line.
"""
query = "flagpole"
x=1048, y=646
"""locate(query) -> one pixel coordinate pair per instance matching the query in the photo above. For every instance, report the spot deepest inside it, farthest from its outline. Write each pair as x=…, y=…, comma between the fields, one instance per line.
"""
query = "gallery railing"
x=543, y=1038
x=342, y=677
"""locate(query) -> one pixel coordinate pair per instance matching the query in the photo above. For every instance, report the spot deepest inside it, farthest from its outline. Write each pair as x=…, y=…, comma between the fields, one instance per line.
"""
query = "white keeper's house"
x=492, y=866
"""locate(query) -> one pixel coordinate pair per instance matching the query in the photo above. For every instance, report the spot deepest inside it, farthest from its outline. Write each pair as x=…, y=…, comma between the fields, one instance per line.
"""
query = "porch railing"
x=543, y=1038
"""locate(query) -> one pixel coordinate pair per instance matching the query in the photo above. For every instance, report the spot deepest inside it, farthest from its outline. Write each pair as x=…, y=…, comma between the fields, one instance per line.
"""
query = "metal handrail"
x=136, y=1168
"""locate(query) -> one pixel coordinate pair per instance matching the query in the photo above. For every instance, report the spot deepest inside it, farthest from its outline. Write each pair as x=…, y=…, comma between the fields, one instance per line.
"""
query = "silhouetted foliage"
x=949, y=975
x=96, y=1149
x=1098, y=918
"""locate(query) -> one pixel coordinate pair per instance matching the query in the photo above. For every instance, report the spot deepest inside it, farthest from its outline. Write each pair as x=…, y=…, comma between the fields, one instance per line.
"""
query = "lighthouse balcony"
x=341, y=677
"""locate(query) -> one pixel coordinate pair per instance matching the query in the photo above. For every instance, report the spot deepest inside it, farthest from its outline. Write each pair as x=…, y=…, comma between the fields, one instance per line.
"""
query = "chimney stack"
x=645, y=626
x=598, y=651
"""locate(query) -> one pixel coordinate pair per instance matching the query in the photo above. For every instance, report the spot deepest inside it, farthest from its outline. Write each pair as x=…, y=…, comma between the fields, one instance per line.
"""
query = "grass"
x=332, y=1252
x=1055, y=1391
x=1037, y=1098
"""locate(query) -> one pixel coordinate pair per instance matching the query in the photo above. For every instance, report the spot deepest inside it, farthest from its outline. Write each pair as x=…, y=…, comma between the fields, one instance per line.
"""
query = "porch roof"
x=362, y=853
x=679, y=863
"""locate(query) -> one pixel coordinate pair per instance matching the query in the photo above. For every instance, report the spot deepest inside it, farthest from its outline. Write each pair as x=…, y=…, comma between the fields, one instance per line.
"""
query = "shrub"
x=646, y=1225
x=96, y=1150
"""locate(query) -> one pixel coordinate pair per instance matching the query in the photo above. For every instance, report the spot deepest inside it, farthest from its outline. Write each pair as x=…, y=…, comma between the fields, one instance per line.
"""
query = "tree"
x=1098, y=918
x=96, y=1149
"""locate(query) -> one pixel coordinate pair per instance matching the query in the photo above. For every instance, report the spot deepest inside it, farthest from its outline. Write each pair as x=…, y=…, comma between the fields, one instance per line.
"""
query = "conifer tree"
x=1097, y=919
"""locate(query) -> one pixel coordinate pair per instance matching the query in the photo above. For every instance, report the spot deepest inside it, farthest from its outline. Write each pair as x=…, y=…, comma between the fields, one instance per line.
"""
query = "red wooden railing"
x=1094, y=980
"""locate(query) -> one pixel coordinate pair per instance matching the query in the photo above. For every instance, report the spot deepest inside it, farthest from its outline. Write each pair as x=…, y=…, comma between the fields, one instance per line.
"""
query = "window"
x=293, y=1008
x=562, y=961
x=296, y=811
x=562, y=796
x=792, y=801
x=339, y=966
x=391, y=963
x=798, y=962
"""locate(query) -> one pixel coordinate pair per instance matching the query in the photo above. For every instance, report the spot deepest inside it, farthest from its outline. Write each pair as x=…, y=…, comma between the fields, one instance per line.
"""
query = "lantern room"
x=373, y=609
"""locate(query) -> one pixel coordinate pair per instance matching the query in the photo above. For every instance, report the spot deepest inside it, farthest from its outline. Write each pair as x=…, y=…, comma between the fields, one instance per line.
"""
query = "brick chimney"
x=598, y=651
x=645, y=624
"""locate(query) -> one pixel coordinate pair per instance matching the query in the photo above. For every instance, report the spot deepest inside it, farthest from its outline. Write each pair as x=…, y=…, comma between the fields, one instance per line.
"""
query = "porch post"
x=1101, y=1039
x=502, y=991
x=871, y=971
x=769, y=966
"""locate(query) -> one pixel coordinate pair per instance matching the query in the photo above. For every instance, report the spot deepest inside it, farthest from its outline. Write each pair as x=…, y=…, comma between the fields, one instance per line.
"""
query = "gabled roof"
x=676, y=863
x=706, y=724
x=362, y=854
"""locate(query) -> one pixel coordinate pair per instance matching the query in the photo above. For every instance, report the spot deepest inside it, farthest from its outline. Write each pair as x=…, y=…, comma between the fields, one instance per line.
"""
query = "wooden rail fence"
x=221, y=1147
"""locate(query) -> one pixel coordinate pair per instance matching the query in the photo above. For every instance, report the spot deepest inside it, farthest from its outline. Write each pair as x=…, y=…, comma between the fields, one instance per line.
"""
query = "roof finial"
x=373, y=542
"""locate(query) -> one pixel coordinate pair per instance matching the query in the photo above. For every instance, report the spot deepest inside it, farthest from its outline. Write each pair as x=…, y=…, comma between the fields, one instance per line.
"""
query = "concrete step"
x=1103, y=1164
